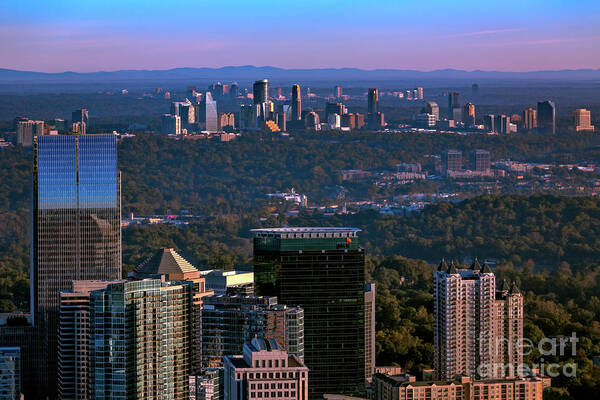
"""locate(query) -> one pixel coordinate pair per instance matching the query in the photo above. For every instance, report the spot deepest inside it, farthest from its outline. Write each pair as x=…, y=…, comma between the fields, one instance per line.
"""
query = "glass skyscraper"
x=76, y=233
x=322, y=271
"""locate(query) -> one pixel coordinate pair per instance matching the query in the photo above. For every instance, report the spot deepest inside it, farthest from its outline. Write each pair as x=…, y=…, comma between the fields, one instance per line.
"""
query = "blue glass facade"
x=76, y=233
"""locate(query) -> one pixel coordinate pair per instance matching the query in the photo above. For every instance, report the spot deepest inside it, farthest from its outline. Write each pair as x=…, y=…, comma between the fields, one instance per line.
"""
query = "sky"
x=107, y=35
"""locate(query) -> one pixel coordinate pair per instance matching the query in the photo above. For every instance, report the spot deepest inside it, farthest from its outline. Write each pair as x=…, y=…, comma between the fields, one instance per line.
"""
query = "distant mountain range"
x=249, y=73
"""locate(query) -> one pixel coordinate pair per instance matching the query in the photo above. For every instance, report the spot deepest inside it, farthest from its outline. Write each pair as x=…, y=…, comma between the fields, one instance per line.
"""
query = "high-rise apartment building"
x=373, y=102
x=419, y=92
x=27, y=130
x=452, y=160
x=468, y=114
x=261, y=91
x=322, y=271
x=546, y=117
x=167, y=264
x=530, y=119
x=10, y=373
x=76, y=226
x=81, y=117
x=296, y=103
x=369, y=330
x=264, y=370
x=141, y=340
x=480, y=160
x=489, y=121
x=432, y=108
x=208, y=385
x=73, y=340
x=226, y=121
x=312, y=121
x=474, y=323
x=583, y=120
x=229, y=321
x=359, y=120
x=348, y=121
x=207, y=114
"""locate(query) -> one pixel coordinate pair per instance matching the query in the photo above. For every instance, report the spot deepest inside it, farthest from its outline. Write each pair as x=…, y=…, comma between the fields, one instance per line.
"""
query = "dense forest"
x=549, y=245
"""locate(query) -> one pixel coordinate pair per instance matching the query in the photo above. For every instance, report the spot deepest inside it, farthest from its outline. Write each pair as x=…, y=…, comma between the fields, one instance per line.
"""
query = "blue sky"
x=91, y=35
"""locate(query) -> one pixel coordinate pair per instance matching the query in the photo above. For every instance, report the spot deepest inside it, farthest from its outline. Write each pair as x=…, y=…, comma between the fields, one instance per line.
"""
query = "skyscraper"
x=76, y=226
x=369, y=330
x=454, y=109
x=489, y=121
x=529, y=119
x=140, y=340
x=432, y=108
x=471, y=320
x=81, y=117
x=583, y=120
x=10, y=373
x=452, y=160
x=468, y=115
x=333, y=108
x=480, y=160
x=27, y=130
x=170, y=124
x=373, y=101
x=546, y=117
x=322, y=271
x=73, y=339
x=261, y=91
x=337, y=92
x=296, y=103
x=229, y=321
x=207, y=114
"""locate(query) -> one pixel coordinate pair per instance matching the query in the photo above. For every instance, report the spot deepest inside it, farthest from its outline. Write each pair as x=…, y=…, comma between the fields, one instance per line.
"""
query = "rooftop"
x=164, y=262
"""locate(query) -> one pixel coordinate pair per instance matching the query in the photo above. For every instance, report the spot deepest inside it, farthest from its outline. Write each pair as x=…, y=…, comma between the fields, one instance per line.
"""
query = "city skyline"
x=69, y=36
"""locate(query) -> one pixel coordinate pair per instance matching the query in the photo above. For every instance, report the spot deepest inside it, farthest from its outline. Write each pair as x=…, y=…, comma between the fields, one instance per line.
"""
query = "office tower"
x=296, y=103
x=369, y=330
x=489, y=121
x=27, y=130
x=208, y=385
x=234, y=91
x=265, y=371
x=226, y=121
x=249, y=114
x=480, y=160
x=229, y=321
x=81, y=117
x=373, y=101
x=60, y=125
x=176, y=106
x=502, y=124
x=73, y=339
x=529, y=119
x=281, y=120
x=452, y=160
x=454, y=109
x=76, y=226
x=18, y=332
x=322, y=271
x=469, y=294
x=348, y=121
x=337, y=92
x=333, y=108
x=432, y=108
x=583, y=120
x=10, y=373
x=170, y=124
x=406, y=387
x=468, y=115
x=377, y=121
x=333, y=121
x=546, y=117
x=419, y=91
x=207, y=114
x=261, y=91
x=312, y=121
x=425, y=120
x=359, y=120
x=187, y=114
x=146, y=353
x=167, y=263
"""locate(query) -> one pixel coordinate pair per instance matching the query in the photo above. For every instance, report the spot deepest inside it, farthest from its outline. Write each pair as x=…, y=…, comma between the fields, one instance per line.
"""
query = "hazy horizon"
x=91, y=36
